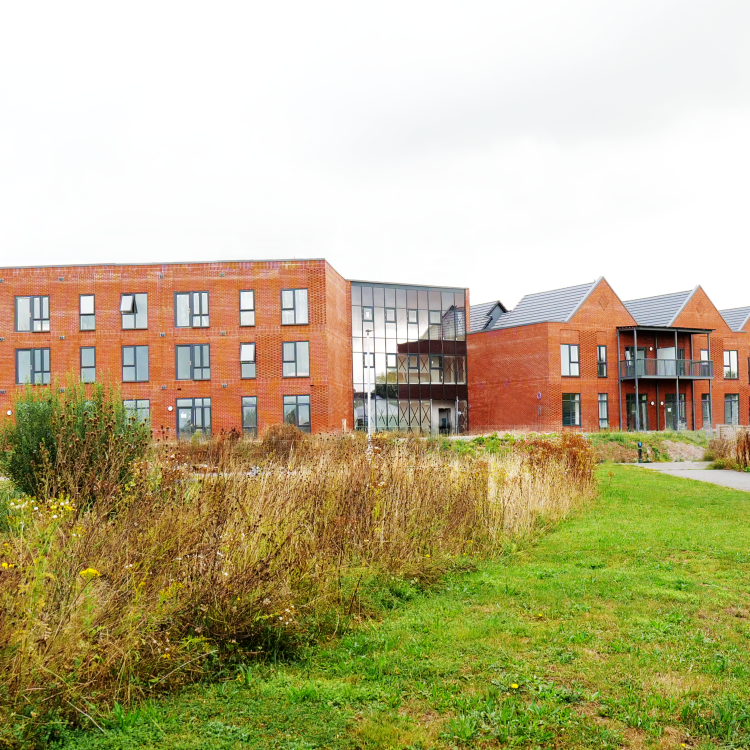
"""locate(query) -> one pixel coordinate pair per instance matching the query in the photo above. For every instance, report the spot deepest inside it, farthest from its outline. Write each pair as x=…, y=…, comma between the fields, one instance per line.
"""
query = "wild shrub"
x=742, y=449
x=77, y=441
x=98, y=606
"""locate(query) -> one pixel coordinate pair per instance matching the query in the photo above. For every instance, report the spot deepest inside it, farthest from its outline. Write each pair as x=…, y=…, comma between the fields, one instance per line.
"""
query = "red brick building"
x=581, y=358
x=210, y=347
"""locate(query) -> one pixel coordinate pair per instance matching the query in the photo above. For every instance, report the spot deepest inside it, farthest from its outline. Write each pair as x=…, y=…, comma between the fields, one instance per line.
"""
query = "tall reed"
x=133, y=594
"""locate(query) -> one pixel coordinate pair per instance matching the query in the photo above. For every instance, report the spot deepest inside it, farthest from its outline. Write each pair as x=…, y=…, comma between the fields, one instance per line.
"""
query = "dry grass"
x=132, y=595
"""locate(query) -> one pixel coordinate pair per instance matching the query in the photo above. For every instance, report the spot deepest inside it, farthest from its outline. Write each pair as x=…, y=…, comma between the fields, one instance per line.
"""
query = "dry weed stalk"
x=127, y=597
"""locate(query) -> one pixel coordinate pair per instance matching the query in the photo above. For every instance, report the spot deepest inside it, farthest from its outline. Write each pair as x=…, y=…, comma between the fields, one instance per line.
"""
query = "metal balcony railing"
x=666, y=368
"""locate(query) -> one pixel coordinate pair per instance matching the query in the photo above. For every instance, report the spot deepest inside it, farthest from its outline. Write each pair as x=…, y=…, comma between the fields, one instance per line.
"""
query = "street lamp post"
x=369, y=387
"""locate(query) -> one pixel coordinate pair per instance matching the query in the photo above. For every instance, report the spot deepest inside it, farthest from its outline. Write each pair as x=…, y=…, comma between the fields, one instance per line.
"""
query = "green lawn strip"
x=628, y=625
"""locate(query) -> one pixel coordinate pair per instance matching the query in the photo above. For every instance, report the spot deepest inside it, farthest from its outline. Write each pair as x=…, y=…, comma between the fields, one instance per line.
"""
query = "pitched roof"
x=661, y=310
x=736, y=318
x=483, y=314
x=555, y=306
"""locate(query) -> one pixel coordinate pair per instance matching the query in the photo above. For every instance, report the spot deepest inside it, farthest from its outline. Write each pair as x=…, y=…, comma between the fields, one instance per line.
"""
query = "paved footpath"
x=737, y=480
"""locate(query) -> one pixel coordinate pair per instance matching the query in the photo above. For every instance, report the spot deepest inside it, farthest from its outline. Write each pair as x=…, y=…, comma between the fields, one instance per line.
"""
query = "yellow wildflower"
x=514, y=686
x=90, y=573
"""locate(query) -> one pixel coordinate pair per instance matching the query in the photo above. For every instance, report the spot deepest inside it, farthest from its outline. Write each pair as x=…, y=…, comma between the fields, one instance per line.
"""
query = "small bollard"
x=640, y=453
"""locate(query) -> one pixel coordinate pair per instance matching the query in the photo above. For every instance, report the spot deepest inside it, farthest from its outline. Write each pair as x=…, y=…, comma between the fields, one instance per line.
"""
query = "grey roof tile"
x=657, y=311
x=736, y=318
x=555, y=306
x=480, y=315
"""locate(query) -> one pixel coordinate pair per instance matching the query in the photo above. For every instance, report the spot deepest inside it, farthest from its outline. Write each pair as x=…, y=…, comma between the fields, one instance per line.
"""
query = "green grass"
x=628, y=626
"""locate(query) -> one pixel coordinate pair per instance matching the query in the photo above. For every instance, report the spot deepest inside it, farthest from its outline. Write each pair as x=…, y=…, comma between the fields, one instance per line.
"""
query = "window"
x=134, y=311
x=731, y=369
x=86, y=312
x=601, y=362
x=88, y=364
x=732, y=408
x=412, y=316
x=297, y=411
x=296, y=359
x=294, y=307
x=193, y=417
x=390, y=314
x=191, y=310
x=367, y=313
x=193, y=362
x=247, y=360
x=436, y=317
x=706, y=408
x=603, y=411
x=250, y=415
x=436, y=369
x=32, y=366
x=571, y=409
x=32, y=314
x=247, y=308
x=134, y=364
x=139, y=409
x=569, y=362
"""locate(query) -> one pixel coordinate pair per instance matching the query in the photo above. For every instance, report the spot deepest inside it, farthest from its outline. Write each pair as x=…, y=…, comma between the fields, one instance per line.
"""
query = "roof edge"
x=595, y=284
x=683, y=305
x=744, y=322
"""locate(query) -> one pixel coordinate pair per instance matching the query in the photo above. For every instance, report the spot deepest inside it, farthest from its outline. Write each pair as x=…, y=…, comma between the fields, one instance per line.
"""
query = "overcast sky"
x=510, y=147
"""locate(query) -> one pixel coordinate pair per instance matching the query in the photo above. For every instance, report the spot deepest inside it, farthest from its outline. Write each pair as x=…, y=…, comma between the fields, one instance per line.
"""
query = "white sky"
x=511, y=147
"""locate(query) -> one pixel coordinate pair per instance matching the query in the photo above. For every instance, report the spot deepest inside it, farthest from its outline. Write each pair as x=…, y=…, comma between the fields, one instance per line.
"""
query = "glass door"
x=642, y=412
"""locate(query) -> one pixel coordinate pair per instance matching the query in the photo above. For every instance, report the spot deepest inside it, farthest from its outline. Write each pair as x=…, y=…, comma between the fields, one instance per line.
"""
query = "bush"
x=281, y=439
x=77, y=441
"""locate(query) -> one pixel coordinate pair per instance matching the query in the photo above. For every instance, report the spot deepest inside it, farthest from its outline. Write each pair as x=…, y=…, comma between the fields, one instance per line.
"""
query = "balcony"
x=694, y=369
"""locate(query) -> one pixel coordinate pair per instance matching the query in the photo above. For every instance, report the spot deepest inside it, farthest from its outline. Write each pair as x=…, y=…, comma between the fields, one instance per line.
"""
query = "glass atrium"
x=409, y=350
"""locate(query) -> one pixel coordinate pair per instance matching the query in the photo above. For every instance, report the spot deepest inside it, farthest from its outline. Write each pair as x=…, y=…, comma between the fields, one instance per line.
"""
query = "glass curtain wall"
x=414, y=358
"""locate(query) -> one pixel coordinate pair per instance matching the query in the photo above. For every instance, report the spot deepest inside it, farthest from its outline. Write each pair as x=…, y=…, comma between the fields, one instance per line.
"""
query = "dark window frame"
x=302, y=427
x=136, y=379
x=251, y=429
x=125, y=316
x=294, y=308
x=392, y=312
x=33, y=319
x=733, y=374
x=285, y=361
x=603, y=401
x=192, y=314
x=409, y=311
x=249, y=362
x=193, y=367
x=371, y=310
x=571, y=362
x=33, y=371
x=87, y=367
x=734, y=400
x=194, y=406
x=601, y=364
x=247, y=310
x=573, y=401
x=85, y=316
x=136, y=411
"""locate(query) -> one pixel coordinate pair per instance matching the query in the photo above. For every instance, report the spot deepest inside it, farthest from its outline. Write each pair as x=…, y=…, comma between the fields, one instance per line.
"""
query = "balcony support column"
x=710, y=390
x=619, y=379
x=677, y=385
x=637, y=402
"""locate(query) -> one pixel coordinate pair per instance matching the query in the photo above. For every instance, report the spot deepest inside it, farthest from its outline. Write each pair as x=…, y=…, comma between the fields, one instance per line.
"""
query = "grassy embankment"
x=620, y=447
x=627, y=626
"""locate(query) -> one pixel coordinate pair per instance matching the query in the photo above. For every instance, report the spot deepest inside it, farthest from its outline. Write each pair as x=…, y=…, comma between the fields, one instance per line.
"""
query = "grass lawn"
x=628, y=626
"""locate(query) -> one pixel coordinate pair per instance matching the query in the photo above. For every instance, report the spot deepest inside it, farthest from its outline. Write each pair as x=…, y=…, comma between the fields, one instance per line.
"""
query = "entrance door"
x=670, y=413
x=643, y=411
x=444, y=421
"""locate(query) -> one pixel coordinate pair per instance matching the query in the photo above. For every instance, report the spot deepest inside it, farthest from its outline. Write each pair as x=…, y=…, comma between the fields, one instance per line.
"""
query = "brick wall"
x=330, y=342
